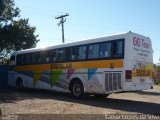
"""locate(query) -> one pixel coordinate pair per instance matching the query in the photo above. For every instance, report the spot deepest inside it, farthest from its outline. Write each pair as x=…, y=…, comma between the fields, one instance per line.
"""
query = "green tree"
x=15, y=32
x=2, y=6
x=157, y=68
x=157, y=76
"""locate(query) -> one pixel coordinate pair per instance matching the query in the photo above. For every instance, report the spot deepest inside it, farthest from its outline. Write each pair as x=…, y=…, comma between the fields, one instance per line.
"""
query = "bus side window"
x=56, y=58
x=24, y=59
x=60, y=55
x=44, y=57
x=82, y=52
x=118, y=48
x=47, y=60
x=74, y=53
x=52, y=56
x=35, y=58
x=18, y=59
x=68, y=54
x=105, y=50
x=12, y=63
x=28, y=59
x=12, y=60
x=93, y=51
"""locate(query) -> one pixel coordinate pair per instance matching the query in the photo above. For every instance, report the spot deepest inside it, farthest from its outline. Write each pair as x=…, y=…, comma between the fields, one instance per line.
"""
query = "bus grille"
x=113, y=81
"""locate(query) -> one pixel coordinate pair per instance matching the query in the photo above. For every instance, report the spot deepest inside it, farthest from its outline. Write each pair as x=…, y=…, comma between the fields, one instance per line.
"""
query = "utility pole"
x=62, y=21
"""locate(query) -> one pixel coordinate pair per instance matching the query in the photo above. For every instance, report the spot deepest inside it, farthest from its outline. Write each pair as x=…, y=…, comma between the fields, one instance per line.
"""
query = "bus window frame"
x=14, y=61
x=113, y=49
x=66, y=49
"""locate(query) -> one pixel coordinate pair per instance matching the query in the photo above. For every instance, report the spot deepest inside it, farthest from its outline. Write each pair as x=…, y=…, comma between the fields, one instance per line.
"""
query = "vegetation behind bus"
x=157, y=74
x=15, y=32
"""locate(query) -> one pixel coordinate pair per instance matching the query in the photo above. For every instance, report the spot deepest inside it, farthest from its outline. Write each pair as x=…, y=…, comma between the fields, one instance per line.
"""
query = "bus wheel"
x=77, y=89
x=19, y=84
x=101, y=96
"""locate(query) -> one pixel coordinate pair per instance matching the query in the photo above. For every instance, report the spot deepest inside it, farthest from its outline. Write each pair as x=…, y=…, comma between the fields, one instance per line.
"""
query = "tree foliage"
x=157, y=74
x=15, y=32
x=2, y=6
x=157, y=68
x=8, y=12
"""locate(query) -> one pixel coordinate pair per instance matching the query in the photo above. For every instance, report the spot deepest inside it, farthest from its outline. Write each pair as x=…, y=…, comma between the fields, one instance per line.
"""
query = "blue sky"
x=93, y=18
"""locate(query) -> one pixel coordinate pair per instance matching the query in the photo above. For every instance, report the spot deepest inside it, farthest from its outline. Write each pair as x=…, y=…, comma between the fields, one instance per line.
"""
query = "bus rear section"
x=138, y=63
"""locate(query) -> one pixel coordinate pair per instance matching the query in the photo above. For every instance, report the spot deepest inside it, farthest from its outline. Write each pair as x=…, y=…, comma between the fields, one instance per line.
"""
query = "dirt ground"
x=49, y=102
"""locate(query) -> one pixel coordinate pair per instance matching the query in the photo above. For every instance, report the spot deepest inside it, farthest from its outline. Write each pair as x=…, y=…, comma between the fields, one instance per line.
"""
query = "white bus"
x=100, y=66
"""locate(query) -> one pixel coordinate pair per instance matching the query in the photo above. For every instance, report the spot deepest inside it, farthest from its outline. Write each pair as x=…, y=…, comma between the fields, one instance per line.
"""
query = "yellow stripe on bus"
x=118, y=63
x=39, y=67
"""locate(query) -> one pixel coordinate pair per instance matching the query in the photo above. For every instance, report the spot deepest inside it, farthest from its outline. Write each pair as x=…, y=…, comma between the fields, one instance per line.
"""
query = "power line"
x=86, y=21
x=79, y=19
x=62, y=21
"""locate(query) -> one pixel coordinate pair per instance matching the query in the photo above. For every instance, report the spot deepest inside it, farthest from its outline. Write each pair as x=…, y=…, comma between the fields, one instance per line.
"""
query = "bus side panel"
x=89, y=77
x=92, y=75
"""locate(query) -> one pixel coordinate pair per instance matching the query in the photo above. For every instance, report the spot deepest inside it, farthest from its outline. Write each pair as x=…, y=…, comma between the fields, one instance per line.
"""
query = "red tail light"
x=128, y=74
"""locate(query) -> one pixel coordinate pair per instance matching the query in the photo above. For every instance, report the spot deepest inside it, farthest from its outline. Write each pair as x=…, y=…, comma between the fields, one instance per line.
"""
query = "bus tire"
x=101, y=96
x=19, y=84
x=77, y=89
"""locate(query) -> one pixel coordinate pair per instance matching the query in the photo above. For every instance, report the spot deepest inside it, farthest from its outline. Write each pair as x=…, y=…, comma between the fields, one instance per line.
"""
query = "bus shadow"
x=12, y=96
x=128, y=105
x=148, y=93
